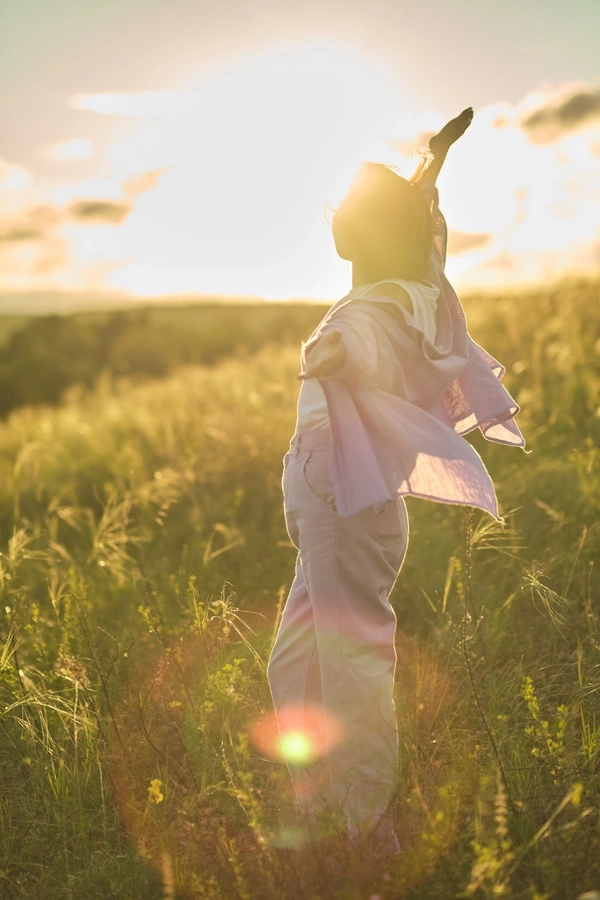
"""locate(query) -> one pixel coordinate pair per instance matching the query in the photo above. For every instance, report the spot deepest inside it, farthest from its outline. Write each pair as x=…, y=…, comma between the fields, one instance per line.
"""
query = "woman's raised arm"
x=439, y=145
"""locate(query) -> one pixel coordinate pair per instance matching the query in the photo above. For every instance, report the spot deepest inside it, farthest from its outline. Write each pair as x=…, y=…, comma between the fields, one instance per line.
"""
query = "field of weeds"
x=144, y=565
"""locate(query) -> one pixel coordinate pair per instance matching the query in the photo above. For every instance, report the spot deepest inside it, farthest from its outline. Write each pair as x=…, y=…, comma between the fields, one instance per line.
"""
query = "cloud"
x=107, y=211
x=34, y=224
x=16, y=187
x=45, y=239
x=19, y=234
x=139, y=184
x=143, y=104
x=463, y=241
x=562, y=113
x=13, y=177
x=74, y=150
x=39, y=223
x=48, y=246
x=32, y=247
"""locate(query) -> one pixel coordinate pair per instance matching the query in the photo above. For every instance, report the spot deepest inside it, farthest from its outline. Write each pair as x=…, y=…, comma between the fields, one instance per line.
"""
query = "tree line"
x=49, y=354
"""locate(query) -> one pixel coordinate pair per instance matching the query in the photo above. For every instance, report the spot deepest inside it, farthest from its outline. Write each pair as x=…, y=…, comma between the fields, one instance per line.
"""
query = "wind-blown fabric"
x=400, y=432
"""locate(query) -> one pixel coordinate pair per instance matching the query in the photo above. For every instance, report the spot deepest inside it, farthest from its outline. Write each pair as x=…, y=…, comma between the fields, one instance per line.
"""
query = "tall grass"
x=144, y=563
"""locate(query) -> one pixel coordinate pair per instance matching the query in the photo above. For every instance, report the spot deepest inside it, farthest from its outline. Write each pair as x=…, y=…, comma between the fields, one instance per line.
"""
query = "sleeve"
x=357, y=327
x=440, y=229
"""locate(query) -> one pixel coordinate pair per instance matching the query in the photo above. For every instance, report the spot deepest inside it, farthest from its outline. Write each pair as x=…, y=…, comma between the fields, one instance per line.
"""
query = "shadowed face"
x=384, y=225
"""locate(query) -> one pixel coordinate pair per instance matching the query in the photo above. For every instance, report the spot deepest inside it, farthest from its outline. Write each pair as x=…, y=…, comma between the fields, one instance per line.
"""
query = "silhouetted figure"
x=391, y=382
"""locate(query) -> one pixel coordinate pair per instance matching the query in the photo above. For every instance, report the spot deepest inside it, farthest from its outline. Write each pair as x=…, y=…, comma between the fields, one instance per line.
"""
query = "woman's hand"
x=325, y=356
x=441, y=142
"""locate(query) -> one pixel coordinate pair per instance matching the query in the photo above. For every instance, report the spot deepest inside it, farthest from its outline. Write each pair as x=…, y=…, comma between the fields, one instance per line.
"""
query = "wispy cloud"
x=142, y=104
x=562, y=113
x=139, y=184
x=37, y=223
x=16, y=184
x=73, y=150
x=464, y=241
x=105, y=211
x=34, y=224
x=46, y=244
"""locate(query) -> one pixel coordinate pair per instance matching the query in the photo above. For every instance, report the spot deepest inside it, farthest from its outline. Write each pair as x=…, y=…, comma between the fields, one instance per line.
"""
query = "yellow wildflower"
x=155, y=795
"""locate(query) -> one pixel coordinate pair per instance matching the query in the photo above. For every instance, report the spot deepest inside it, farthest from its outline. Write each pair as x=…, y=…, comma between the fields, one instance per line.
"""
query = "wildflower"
x=155, y=795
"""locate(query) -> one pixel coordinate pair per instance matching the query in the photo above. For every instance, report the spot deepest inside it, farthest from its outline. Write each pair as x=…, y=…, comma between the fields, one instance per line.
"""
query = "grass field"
x=144, y=564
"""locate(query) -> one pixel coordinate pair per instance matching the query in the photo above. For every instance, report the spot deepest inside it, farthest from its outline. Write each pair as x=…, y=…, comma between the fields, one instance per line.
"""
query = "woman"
x=391, y=382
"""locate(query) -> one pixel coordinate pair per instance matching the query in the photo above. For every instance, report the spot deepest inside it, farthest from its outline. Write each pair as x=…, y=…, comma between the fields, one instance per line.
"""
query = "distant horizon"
x=66, y=302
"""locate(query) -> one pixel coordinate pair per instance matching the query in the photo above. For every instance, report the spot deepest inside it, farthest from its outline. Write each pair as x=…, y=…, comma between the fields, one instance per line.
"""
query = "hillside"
x=42, y=356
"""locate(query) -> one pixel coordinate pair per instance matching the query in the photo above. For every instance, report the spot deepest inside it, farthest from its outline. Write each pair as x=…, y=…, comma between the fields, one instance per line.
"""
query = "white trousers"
x=334, y=650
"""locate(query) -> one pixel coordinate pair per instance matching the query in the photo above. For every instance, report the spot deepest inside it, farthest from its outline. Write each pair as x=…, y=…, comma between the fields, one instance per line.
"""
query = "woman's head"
x=383, y=225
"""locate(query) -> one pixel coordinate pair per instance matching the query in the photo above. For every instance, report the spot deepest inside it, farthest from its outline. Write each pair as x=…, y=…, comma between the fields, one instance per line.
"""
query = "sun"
x=254, y=155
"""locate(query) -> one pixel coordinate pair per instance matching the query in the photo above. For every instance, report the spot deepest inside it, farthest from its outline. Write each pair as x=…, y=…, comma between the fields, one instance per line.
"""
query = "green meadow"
x=144, y=564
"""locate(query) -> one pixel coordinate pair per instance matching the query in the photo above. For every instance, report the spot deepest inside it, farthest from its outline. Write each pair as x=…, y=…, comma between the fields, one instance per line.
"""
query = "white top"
x=312, y=405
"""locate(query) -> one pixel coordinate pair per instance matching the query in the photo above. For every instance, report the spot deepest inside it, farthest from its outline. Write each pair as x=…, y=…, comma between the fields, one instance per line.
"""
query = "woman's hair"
x=384, y=224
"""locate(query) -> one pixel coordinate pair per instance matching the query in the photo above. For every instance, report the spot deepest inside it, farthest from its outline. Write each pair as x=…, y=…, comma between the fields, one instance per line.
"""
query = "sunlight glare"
x=299, y=734
x=254, y=153
x=296, y=747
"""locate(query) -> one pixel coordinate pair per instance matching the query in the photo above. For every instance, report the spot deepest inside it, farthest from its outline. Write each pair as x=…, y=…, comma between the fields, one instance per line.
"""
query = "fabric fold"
x=384, y=446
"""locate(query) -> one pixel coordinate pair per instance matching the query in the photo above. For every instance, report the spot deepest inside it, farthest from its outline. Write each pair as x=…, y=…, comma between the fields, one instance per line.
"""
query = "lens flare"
x=296, y=747
x=183, y=688
x=297, y=734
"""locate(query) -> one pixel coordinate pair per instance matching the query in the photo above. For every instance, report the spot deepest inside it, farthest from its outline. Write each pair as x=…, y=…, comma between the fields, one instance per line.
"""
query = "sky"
x=186, y=147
